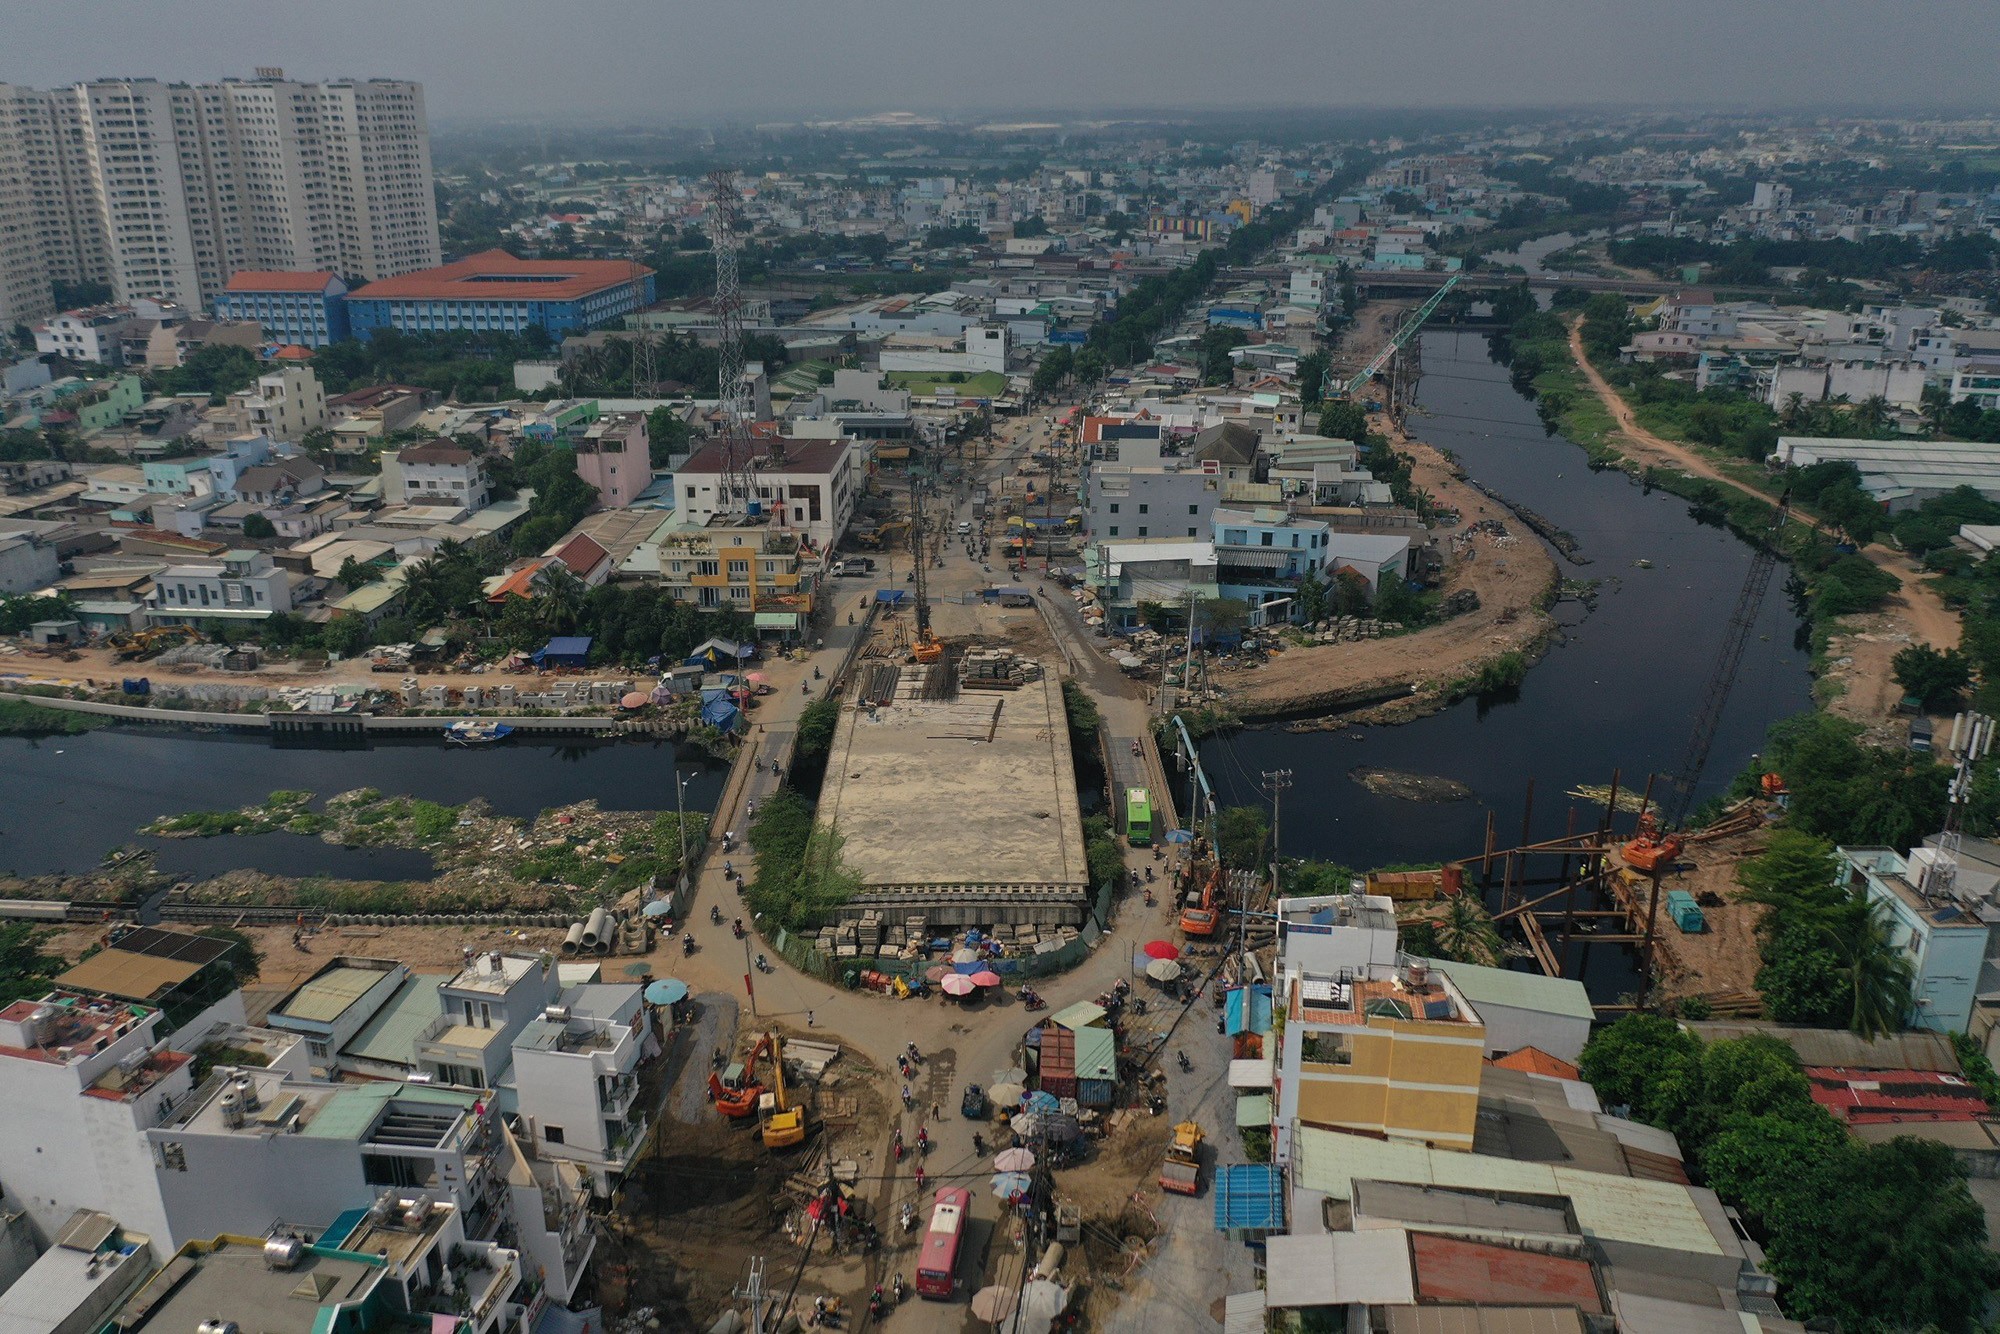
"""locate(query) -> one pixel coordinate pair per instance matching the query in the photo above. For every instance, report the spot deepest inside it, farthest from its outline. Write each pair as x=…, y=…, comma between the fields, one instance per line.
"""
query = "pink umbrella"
x=957, y=984
x=986, y=978
x=936, y=975
x=1161, y=949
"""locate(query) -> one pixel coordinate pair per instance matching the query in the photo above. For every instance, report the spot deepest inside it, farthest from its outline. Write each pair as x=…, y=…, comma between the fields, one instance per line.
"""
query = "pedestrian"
x=937, y=1112
x=809, y=1018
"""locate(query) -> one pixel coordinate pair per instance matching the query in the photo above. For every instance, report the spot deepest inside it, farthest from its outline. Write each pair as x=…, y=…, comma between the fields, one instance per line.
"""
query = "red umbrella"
x=935, y=975
x=1162, y=949
x=986, y=978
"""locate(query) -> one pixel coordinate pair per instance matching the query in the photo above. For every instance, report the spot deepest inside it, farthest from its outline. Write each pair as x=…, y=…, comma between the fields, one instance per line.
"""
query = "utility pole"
x=680, y=820
x=1275, y=782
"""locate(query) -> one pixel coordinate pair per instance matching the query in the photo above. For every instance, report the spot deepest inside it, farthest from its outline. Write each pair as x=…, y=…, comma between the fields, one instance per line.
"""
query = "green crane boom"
x=1410, y=328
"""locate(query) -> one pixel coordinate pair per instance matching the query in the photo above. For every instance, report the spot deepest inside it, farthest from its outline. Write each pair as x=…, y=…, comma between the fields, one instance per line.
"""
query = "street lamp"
x=680, y=823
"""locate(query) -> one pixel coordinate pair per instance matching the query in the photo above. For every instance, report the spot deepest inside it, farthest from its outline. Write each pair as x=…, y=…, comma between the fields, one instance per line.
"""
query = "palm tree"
x=558, y=596
x=1465, y=932
x=1874, y=971
x=1872, y=412
x=424, y=589
x=1795, y=403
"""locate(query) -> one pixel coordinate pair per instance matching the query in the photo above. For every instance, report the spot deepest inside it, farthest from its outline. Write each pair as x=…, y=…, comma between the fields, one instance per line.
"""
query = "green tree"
x=1055, y=368
x=1876, y=976
x=258, y=528
x=1240, y=834
x=1311, y=377
x=1466, y=932
x=1220, y=617
x=558, y=598
x=354, y=573
x=666, y=435
x=1934, y=677
x=25, y=971
x=1641, y=1062
x=1344, y=421
x=1313, y=597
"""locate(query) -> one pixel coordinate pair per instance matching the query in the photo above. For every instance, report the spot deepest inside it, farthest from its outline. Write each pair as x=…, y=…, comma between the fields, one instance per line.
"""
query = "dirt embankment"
x=1862, y=648
x=1409, y=675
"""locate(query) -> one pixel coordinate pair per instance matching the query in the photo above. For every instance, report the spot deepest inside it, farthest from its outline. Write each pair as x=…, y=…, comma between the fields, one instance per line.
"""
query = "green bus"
x=1138, y=817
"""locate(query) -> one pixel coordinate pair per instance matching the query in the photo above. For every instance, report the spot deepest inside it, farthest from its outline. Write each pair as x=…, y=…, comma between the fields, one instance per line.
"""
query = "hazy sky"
x=637, y=60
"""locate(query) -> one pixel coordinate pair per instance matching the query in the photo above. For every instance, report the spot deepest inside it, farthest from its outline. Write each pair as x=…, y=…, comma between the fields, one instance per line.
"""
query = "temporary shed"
x=717, y=652
x=564, y=651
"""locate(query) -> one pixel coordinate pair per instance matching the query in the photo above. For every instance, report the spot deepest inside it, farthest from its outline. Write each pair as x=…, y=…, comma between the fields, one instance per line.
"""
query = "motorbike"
x=908, y=1101
x=899, y=1288
x=763, y=964
x=1150, y=900
x=1032, y=1001
x=1182, y=1058
x=687, y=943
x=715, y=915
x=908, y=1218
x=978, y=1144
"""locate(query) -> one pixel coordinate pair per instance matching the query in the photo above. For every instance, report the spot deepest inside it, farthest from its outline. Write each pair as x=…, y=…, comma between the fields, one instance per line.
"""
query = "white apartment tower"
x=164, y=190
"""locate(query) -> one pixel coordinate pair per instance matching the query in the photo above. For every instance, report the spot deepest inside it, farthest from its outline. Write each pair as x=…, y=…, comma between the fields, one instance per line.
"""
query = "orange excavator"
x=740, y=1099
x=1201, y=900
x=1650, y=850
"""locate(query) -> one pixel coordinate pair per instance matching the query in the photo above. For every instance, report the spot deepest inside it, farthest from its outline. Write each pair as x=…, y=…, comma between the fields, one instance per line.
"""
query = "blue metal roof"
x=1253, y=1017
x=1249, y=1195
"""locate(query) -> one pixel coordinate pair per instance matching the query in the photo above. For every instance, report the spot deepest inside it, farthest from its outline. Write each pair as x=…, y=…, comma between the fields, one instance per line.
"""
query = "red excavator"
x=1650, y=850
x=1201, y=899
x=739, y=1099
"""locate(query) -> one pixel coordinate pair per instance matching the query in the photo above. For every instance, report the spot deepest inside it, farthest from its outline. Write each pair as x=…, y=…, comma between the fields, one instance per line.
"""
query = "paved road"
x=962, y=1045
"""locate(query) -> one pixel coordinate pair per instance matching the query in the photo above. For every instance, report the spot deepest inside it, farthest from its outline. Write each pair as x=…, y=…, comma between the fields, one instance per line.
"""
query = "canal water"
x=66, y=801
x=1617, y=691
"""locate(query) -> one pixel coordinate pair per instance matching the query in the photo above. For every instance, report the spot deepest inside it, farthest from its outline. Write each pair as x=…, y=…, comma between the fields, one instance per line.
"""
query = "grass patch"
x=22, y=719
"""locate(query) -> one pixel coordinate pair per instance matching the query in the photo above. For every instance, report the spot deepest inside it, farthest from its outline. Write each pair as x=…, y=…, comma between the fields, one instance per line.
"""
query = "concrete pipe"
x=595, y=928
x=573, y=941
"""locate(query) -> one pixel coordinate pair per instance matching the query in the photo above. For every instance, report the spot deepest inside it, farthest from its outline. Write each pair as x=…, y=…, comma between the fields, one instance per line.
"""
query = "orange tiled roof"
x=1535, y=1061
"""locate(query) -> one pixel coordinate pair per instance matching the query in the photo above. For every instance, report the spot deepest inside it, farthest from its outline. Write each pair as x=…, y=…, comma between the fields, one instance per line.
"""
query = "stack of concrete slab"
x=997, y=669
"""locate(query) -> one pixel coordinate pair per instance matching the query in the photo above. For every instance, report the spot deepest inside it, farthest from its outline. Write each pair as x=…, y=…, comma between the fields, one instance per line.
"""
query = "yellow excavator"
x=784, y=1124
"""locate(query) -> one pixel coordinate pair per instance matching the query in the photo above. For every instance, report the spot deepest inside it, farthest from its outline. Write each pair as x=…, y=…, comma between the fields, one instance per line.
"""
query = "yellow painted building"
x=751, y=568
x=1397, y=1053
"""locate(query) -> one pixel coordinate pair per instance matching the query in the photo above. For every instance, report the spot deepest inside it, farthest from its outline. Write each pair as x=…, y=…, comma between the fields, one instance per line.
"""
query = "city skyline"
x=761, y=61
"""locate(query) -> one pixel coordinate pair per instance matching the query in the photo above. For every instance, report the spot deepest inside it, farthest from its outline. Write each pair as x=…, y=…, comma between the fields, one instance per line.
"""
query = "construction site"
x=954, y=795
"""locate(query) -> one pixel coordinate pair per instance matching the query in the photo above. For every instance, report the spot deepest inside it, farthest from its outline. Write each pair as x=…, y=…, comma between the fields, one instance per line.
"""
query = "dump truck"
x=1181, y=1171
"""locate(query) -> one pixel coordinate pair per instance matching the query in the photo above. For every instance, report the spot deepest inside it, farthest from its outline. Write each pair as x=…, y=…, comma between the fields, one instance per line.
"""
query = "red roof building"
x=1883, y=1097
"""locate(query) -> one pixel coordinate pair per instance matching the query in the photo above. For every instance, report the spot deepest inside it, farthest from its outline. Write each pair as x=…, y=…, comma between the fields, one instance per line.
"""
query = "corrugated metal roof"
x=1249, y=1195
x=391, y=1036
x=1080, y=1015
x=1253, y=1111
x=1612, y=1208
x=1521, y=991
x=1096, y=1053
x=326, y=997
x=1502, y=1320
x=1914, y=1050
x=1255, y=1073
x=1339, y=1268
x=1243, y=1313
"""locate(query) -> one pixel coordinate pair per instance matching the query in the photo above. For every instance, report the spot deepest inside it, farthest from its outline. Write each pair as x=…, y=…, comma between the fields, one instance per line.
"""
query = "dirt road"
x=1863, y=647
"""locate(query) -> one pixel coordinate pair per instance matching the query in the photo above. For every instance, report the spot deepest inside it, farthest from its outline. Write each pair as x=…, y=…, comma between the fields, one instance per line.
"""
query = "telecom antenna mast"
x=724, y=219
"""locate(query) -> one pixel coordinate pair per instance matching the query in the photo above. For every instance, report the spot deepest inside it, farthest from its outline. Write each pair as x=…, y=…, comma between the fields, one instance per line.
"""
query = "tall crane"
x=1749, y=601
x=1411, y=327
x=733, y=403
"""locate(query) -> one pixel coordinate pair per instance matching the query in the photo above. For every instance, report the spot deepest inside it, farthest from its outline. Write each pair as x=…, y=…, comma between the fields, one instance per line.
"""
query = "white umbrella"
x=1006, y=1095
x=1163, y=970
x=1024, y=1124
x=993, y=1304
x=964, y=955
x=1014, y=1160
x=1013, y=1074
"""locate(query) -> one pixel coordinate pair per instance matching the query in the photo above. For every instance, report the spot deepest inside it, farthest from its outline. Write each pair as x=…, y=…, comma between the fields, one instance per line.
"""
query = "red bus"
x=937, y=1264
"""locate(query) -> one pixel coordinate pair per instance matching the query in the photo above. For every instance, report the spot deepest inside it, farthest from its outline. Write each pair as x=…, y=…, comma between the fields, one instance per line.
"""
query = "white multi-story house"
x=284, y=404
x=94, y=335
x=439, y=473
x=164, y=190
x=804, y=487
x=240, y=586
x=83, y=1083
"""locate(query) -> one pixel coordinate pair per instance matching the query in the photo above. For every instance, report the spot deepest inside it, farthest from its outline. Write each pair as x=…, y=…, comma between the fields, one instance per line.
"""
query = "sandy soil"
x=1509, y=574
x=1868, y=692
x=1720, y=961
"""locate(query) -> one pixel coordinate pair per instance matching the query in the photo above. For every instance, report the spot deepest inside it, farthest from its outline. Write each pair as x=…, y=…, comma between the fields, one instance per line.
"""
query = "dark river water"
x=66, y=801
x=1617, y=692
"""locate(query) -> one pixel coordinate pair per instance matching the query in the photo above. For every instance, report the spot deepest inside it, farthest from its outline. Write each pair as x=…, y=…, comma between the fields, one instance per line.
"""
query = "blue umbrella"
x=1041, y=1100
x=1180, y=836
x=667, y=991
x=657, y=908
x=1011, y=1185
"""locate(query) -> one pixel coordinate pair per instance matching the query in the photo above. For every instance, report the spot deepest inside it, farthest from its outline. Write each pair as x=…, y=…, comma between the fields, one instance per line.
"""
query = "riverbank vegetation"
x=18, y=718
x=572, y=857
x=25, y=971
x=800, y=878
x=1868, y=1236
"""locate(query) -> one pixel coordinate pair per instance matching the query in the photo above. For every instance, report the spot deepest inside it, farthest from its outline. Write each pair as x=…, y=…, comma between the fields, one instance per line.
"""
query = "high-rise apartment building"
x=162, y=191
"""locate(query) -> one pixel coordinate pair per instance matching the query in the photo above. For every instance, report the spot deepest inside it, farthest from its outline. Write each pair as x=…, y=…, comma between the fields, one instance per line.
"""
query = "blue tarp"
x=1248, y=1011
x=1249, y=1196
x=720, y=652
x=721, y=713
x=891, y=596
x=564, y=651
